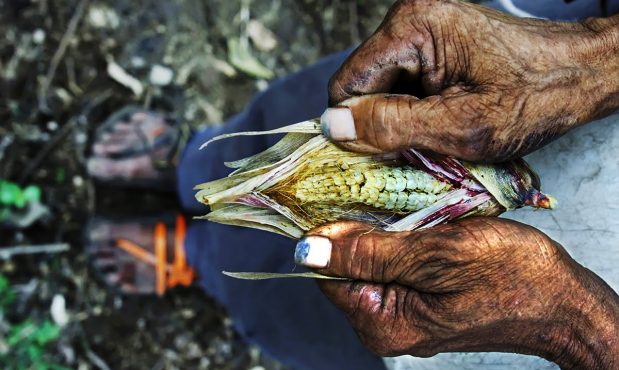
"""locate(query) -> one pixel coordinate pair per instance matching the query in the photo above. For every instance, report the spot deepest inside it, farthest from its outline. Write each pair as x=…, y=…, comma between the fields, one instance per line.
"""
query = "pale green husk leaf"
x=305, y=127
x=274, y=275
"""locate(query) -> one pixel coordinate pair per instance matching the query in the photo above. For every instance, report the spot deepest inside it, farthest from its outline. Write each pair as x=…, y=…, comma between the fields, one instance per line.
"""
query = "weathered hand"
x=464, y=80
x=481, y=284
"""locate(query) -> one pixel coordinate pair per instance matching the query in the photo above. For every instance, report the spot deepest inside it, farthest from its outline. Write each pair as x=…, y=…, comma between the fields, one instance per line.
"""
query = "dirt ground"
x=65, y=65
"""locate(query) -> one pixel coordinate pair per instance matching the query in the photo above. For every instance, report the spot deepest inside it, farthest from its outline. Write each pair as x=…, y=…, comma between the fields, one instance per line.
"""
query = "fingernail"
x=338, y=124
x=313, y=251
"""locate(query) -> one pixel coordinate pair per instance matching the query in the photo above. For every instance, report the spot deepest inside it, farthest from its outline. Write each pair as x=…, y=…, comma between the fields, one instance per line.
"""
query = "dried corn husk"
x=304, y=181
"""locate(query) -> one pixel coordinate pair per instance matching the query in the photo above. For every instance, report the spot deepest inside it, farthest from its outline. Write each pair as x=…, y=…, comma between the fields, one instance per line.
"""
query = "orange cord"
x=166, y=275
x=180, y=273
x=161, y=251
x=136, y=251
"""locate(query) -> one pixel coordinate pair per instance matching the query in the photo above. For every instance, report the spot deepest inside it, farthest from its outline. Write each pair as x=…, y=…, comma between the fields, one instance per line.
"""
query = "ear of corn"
x=304, y=181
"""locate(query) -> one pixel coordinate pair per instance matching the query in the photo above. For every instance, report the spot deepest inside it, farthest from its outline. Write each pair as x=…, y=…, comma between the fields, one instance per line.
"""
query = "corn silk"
x=305, y=181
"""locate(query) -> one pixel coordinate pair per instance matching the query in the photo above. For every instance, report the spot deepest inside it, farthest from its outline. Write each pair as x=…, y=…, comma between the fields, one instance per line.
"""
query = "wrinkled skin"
x=481, y=284
x=467, y=81
x=464, y=80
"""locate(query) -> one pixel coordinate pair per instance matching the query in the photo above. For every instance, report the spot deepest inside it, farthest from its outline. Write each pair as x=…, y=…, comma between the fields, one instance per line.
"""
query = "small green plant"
x=20, y=206
x=7, y=295
x=24, y=345
x=12, y=194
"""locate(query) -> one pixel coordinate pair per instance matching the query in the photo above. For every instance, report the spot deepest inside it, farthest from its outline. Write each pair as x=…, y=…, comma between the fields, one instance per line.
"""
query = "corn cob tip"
x=540, y=200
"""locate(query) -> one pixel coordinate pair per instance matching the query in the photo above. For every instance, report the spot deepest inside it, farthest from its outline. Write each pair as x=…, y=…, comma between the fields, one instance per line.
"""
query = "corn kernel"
x=401, y=189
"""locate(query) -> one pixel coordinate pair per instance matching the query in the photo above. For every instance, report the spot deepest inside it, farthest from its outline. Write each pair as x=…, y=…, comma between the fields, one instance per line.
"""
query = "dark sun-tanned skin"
x=476, y=83
x=481, y=284
x=464, y=80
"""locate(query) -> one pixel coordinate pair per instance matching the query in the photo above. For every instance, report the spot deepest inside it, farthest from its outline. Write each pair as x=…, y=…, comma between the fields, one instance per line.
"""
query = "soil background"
x=59, y=80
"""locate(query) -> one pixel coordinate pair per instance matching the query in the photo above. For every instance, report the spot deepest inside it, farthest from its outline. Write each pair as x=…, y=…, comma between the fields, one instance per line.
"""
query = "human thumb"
x=353, y=250
x=379, y=123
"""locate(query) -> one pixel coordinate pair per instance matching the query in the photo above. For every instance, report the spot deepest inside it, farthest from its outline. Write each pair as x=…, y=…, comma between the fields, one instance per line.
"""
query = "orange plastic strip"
x=160, y=239
x=180, y=274
x=179, y=243
x=136, y=251
x=167, y=275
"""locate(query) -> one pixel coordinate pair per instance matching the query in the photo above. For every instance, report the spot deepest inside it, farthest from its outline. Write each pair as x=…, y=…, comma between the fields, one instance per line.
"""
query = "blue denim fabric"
x=561, y=9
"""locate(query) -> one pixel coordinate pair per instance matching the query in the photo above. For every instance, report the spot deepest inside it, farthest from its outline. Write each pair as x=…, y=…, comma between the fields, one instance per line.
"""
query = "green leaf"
x=7, y=295
x=9, y=193
x=32, y=193
x=35, y=353
x=240, y=57
x=20, y=332
x=4, y=284
x=20, y=200
x=5, y=214
x=47, y=332
x=60, y=175
x=57, y=367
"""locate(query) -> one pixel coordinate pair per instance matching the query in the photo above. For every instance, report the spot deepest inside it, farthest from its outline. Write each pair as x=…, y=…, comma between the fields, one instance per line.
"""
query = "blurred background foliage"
x=65, y=65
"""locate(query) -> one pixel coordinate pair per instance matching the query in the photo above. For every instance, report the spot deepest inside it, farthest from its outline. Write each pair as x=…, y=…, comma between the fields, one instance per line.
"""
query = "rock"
x=262, y=37
x=38, y=36
x=160, y=75
x=118, y=74
x=100, y=16
x=58, y=310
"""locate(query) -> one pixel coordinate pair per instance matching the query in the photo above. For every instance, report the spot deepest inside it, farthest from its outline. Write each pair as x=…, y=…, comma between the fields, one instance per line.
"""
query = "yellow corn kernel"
x=401, y=189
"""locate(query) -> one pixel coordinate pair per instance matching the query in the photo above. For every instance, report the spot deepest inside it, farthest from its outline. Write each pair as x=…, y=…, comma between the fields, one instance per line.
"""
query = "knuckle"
x=408, y=257
x=353, y=264
x=398, y=18
x=367, y=252
x=355, y=303
x=389, y=124
x=337, y=90
x=396, y=31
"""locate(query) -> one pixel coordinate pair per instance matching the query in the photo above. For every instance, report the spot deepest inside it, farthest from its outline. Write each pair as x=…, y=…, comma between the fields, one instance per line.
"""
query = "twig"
x=43, y=153
x=61, y=135
x=7, y=139
x=90, y=354
x=96, y=360
x=159, y=365
x=72, y=80
x=118, y=74
x=62, y=48
x=8, y=252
